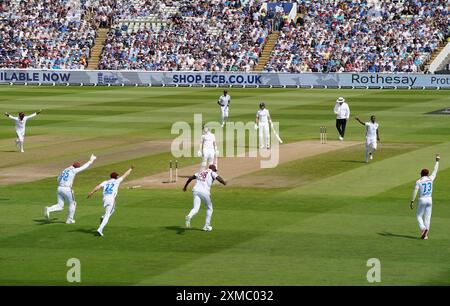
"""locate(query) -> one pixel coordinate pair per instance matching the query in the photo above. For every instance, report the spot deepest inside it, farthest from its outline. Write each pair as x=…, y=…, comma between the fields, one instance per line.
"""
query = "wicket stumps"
x=171, y=167
x=176, y=170
x=323, y=135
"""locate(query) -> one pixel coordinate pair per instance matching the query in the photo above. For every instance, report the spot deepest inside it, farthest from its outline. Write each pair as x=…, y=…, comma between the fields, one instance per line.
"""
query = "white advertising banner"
x=256, y=79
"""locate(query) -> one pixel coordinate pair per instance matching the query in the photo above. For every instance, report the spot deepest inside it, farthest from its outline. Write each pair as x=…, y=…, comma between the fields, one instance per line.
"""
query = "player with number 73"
x=424, y=187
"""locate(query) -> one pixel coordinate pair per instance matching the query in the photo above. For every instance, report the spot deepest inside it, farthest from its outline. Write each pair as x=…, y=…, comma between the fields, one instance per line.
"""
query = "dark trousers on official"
x=340, y=126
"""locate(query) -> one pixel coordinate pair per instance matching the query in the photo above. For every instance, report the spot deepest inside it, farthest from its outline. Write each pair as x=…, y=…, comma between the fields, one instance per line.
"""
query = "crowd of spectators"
x=46, y=34
x=223, y=35
x=100, y=12
x=127, y=9
x=4, y=5
x=205, y=35
x=380, y=36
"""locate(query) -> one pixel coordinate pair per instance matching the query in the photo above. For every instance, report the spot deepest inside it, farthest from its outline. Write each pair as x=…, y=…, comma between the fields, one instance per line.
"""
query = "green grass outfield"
x=322, y=231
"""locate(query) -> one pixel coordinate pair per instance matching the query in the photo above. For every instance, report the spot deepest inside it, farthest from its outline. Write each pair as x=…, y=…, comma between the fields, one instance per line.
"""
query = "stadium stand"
x=47, y=34
x=203, y=35
x=223, y=35
x=267, y=51
x=380, y=36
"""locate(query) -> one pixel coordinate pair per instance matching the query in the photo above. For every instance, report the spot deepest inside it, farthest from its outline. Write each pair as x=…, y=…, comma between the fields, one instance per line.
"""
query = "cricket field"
x=315, y=220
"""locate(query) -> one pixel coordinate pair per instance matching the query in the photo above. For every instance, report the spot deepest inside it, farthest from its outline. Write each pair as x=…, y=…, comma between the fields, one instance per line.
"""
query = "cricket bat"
x=277, y=136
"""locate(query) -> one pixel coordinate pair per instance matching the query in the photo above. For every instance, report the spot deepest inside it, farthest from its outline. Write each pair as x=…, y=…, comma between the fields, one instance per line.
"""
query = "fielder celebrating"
x=372, y=136
x=21, y=122
x=342, y=112
x=424, y=186
x=224, y=102
x=262, y=122
x=208, y=148
x=65, y=192
x=110, y=190
x=202, y=191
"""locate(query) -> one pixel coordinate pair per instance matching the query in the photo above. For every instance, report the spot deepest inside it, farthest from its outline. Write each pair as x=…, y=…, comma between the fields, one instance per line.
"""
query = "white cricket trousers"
x=264, y=134
x=109, y=205
x=371, y=147
x=423, y=213
x=65, y=194
x=198, y=197
x=20, y=139
x=224, y=114
x=208, y=158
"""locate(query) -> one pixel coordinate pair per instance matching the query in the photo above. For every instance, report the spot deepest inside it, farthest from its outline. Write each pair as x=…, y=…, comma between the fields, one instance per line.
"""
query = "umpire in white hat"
x=342, y=112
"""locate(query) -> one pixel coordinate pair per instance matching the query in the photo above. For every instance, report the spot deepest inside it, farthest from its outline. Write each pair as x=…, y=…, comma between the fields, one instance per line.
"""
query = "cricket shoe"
x=268, y=147
x=70, y=221
x=341, y=138
x=370, y=156
x=46, y=213
x=99, y=233
x=207, y=228
x=424, y=234
x=188, y=222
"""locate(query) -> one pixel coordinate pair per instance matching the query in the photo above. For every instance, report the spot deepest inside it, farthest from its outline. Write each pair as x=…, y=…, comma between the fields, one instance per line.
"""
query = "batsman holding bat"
x=262, y=123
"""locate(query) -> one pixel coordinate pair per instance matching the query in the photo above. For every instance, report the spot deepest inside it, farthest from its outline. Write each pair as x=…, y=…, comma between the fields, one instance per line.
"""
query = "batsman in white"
x=208, y=148
x=110, y=190
x=65, y=192
x=372, y=136
x=202, y=191
x=21, y=122
x=424, y=186
x=224, y=102
x=262, y=123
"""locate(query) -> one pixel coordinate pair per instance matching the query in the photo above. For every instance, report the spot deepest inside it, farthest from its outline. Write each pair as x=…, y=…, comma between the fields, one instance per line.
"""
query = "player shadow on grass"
x=46, y=221
x=91, y=231
x=180, y=230
x=388, y=234
x=354, y=161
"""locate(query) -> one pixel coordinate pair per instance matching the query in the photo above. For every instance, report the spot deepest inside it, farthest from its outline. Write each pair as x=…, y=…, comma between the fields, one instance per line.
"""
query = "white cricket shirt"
x=424, y=185
x=205, y=179
x=263, y=115
x=371, y=130
x=111, y=188
x=208, y=141
x=224, y=100
x=20, y=124
x=67, y=176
